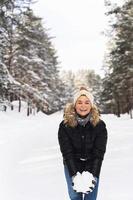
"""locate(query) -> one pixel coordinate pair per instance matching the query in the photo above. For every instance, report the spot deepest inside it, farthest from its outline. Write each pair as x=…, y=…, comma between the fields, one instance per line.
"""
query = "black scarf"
x=83, y=120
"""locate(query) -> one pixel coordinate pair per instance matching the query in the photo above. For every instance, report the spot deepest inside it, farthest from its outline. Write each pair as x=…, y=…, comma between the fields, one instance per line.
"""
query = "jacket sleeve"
x=66, y=149
x=99, y=148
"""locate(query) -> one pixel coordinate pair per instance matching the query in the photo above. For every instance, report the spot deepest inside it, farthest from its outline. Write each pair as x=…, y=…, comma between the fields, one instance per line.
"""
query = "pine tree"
x=38, y=57
x=30, y=57
x=7, y=85
x=120, y=61
x=68, y=78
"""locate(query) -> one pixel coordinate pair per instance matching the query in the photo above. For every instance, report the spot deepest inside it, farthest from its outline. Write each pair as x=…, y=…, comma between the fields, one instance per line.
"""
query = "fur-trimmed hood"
x=70, y=115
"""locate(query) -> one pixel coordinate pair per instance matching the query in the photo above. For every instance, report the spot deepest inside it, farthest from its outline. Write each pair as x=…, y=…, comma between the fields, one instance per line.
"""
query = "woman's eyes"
x=84, y=102
x=87, y=102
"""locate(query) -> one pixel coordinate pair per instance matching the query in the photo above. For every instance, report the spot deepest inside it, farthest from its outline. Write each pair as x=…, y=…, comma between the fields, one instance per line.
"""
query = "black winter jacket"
x=83, y=148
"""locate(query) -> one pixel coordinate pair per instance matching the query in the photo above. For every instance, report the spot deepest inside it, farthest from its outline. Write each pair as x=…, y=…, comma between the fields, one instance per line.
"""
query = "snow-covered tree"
x=37, y=56
x=30, y=56
x=8, y=86
x=69, y=87
x=120, y=58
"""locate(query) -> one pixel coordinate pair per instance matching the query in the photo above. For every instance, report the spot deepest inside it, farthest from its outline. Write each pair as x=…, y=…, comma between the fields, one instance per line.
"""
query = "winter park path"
x=31, y=165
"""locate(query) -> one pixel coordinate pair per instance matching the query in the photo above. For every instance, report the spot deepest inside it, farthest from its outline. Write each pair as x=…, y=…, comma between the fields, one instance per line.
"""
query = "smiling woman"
x=82, y=138
x=83, y=106
x=83, y=101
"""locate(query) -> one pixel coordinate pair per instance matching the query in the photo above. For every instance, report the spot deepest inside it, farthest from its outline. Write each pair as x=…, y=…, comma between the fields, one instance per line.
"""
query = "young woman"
x=82, y=138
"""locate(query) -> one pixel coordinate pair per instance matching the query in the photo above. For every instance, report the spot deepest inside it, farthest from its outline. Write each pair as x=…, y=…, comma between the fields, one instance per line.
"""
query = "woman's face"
x=83, y=106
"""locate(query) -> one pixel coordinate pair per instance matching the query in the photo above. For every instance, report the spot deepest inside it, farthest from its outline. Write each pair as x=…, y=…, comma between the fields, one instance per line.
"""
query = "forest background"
x=30, y=70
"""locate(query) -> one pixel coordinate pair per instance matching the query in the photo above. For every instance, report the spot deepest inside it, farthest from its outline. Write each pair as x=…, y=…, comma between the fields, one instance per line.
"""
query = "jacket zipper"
x=83, y=144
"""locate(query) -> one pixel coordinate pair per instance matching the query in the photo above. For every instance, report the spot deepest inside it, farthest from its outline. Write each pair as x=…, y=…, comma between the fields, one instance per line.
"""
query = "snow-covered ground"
x=31, y=165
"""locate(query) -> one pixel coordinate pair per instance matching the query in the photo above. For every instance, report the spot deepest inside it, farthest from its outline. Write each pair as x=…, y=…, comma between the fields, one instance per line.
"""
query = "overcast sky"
x=77, y=26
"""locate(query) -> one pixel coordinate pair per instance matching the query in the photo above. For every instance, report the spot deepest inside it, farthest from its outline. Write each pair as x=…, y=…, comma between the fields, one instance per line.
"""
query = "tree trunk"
x=131, y=114
x=19, y=107
x=118, y=109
